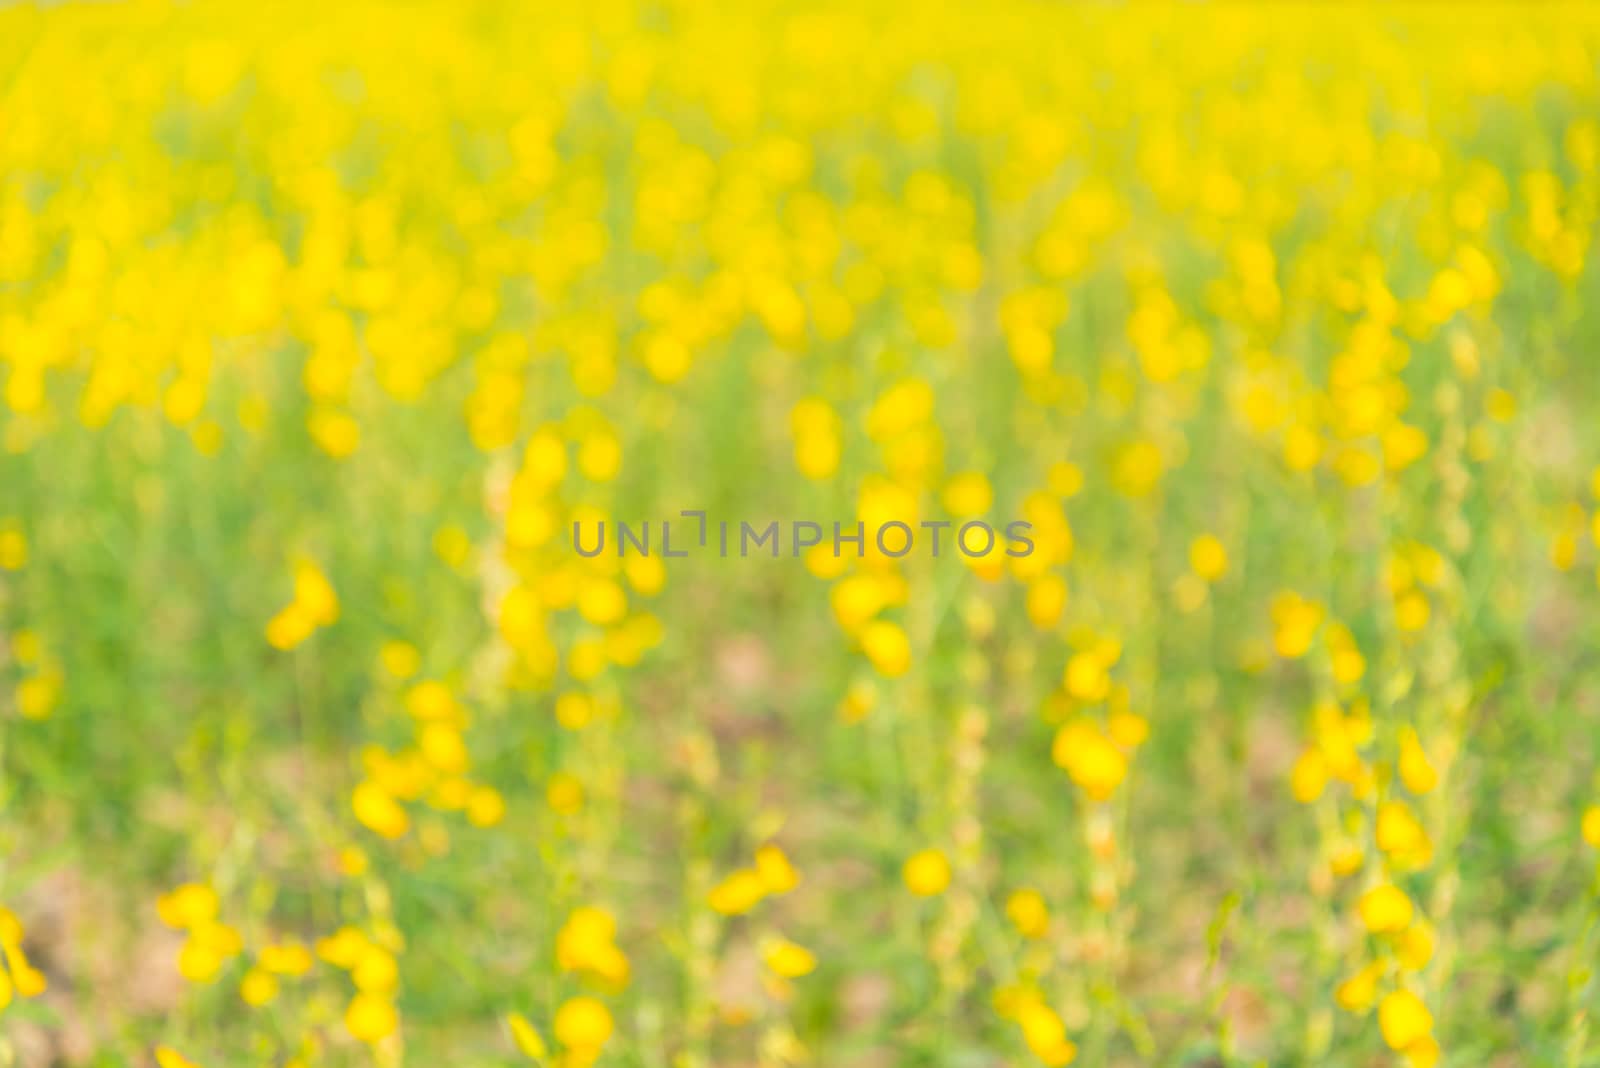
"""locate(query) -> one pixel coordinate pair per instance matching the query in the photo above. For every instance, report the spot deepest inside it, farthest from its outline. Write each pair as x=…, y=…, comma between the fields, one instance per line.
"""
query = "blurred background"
x=320, y=326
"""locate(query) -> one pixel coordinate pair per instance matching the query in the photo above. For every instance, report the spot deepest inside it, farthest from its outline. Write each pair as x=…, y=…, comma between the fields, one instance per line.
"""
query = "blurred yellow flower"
x=1385, y=909
x=788, y=960
x=582, y=1024
x=167, y=1057
x=1404, y=1019
x=378, y=811
x=737, y=894
x=1028, y=913
x=371, y=1018
x=526, y=1037
x=1208, y=558
x=1591, y=825
x=926, y=873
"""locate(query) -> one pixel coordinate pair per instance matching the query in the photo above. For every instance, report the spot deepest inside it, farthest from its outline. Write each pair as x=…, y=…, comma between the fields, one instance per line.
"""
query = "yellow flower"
x=288, y=958
x=377, y=811
x=314, y=594
x=290, y=627
x=1404, y=1019
x=1208, y=558
x=1401, y=836
x=1128, y=729
x=343, y=948
x=336, y=432
x=1045, y=1034
x=375, y=971
x=816, y=438
x=1423, y=1053
x=900, y=408
x=1346, y=858
x=527, y=1038
x=189, y=905
x=1416, y=770
x=544, y=460
x=788, y=959
x=1416, y=946
x=1008, y=1000
x=583, y=1024
x=207, y=949
x=1357, y=993
x=1591, y=825
x=1302, y=447
x=315, y=605
x=485, y=807
x=167, y=1057
x=258, y=987
x=855, y=599
x=646, y=574
x=431, y=700
x=10, y=928
x=778, y=875
x=1028, y=913
x=926, y=873
x=586, y=943
x=1091, y=759
x=1386, y=909
x=28, y=981
x=1411, y=611
x=574, y=710
x=968, y=494
x=441, y=745
x=1501, y=405
x=1349, y=666
x=1296, y=620
x=1046, y=600
x=1086, y=677
x=887, y=647
x=13, y=547
x=600, y=456
x=37, y=696
x=602, y=602
x=371, y=1018
x=740, y=892
x=1309, y=777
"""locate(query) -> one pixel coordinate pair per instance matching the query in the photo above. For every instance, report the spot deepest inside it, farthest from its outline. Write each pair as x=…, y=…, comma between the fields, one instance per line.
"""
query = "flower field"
x=1261, y=729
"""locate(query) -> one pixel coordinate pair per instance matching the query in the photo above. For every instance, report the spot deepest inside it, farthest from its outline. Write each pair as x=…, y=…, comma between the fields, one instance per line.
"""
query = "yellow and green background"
x=321, y=324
